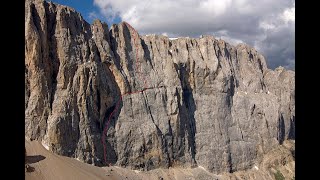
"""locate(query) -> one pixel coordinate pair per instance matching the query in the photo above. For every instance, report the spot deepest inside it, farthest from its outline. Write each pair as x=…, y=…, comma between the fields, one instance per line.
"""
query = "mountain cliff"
x=111, y=96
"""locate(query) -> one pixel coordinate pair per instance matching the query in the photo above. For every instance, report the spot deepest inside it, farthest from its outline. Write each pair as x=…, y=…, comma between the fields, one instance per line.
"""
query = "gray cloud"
x=267, y=25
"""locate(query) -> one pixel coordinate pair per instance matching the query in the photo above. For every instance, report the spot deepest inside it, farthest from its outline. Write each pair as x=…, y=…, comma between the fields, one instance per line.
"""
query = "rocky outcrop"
x=148, y=101
x=68, y=85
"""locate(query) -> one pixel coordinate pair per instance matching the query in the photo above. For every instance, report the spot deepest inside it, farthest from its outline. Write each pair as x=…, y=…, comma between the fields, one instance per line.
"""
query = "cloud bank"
x=267, y=25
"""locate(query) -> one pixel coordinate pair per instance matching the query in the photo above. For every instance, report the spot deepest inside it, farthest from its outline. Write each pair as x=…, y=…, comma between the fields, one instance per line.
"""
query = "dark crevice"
x=267, y=124
x=250, y=56
x=108, y=113
x=90, y=85
x=36, y=18
x=229, y=160
x=215, y=74
x=98, y=54
x=187, y=47
x=252, y=109
x=27, y=86
x=52, y=47
x=260, y=65
x=129, y=48
x=181, y=130
x=146, y=52
x=228, y=56
x=98, y=101
x=187, y=108
x=263, y=86
x=170, y=139
x=292, y=129
x=111, y=153
x=113, y=47
x=230, y=91
x=281, y=129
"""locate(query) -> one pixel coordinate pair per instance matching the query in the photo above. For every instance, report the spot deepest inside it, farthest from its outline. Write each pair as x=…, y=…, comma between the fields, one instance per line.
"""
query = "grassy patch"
x=278, y=175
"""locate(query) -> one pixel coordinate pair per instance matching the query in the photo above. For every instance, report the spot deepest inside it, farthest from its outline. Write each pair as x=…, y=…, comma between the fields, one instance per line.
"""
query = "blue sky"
x=266, y=25
x=88, y=10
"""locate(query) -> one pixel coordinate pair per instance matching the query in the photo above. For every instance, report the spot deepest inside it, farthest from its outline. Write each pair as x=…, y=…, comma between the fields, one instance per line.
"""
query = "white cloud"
x=289, y=14
x=265, y=25
x=165, y=34
x=278, y=38
x=230, y=40
x=93, y=15
x=216, y=7
x=258, y=23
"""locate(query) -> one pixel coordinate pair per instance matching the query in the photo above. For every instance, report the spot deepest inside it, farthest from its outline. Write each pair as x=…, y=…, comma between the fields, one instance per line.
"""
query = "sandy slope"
x=58, y=167
x=51, y=166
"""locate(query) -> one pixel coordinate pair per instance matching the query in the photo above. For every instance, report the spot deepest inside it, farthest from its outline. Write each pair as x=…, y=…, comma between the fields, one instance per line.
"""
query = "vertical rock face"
x=161, y=102
x=69, y=87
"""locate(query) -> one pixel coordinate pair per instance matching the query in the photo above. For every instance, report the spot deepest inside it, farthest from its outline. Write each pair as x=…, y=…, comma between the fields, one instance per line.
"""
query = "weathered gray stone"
x=183, y=102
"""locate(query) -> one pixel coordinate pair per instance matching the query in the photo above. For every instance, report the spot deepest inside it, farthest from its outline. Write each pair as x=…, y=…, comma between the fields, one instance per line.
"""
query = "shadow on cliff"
x=113, y=113
x=281, y=129
x=129, y=48
x=188, y=108
x=130, y=55
x=115, y=109
x=292, y=128
x=147, y=54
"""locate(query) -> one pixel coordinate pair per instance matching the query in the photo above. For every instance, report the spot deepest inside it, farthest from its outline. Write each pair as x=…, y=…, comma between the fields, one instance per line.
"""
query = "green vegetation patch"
x=278, y=175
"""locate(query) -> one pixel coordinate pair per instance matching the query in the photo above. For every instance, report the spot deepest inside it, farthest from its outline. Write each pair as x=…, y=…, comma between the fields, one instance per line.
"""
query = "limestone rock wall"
x=160, y=102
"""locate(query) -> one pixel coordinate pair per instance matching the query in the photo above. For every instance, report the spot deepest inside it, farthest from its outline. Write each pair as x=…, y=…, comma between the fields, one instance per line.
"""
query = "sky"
x=266, y=25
